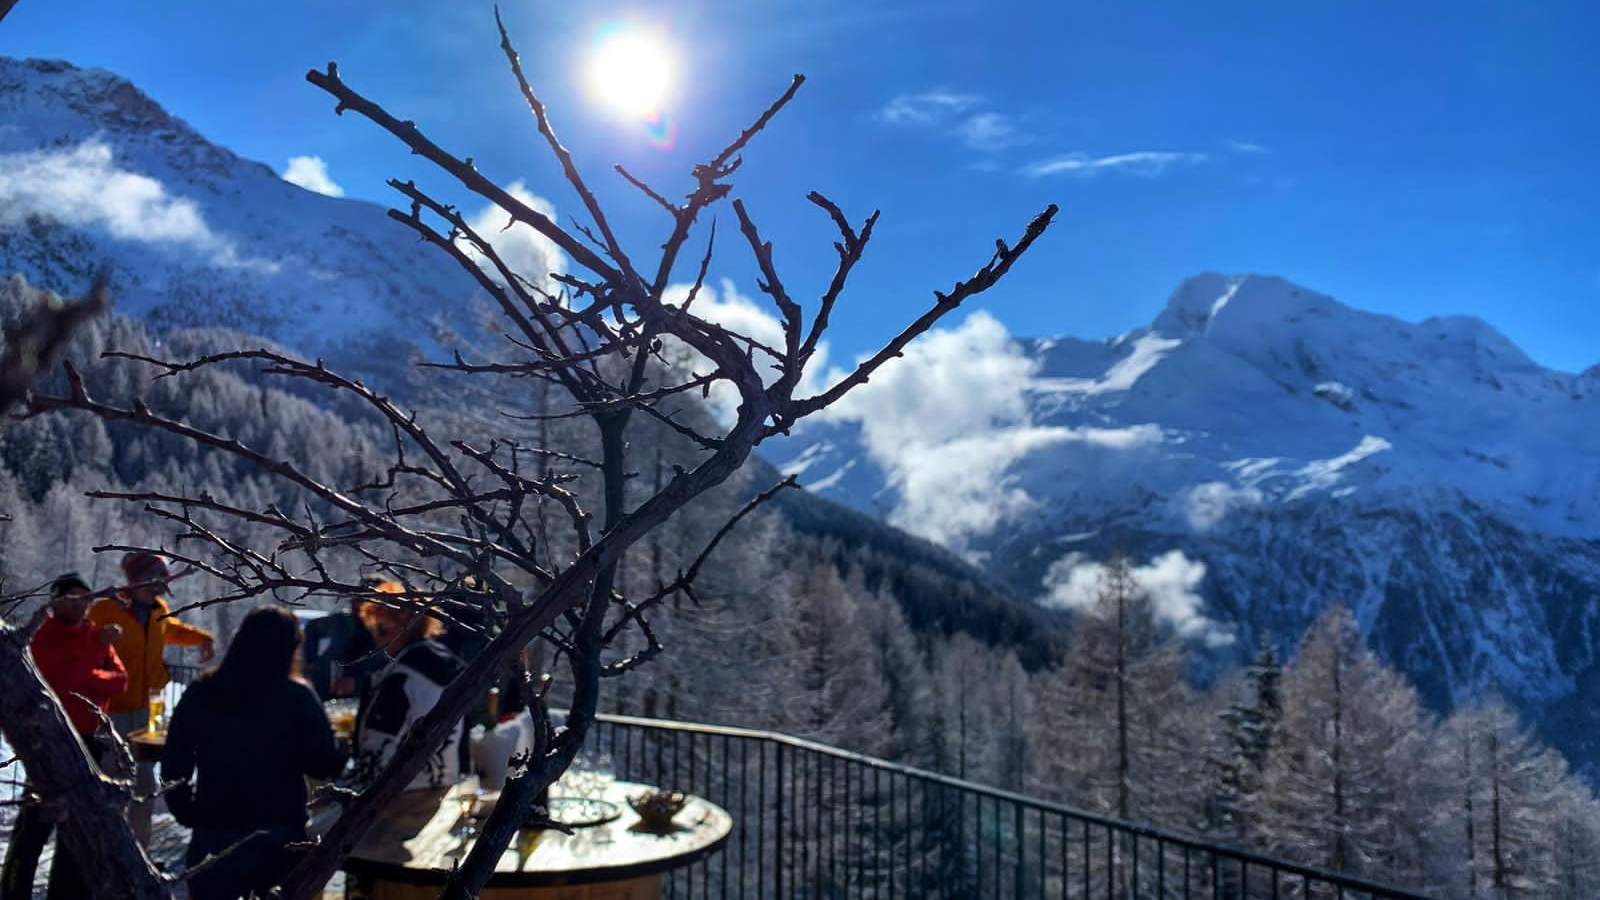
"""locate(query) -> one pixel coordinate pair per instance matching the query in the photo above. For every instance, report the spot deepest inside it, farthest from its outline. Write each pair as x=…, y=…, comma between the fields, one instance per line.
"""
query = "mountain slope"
x=1264, y=451
x=91, y=169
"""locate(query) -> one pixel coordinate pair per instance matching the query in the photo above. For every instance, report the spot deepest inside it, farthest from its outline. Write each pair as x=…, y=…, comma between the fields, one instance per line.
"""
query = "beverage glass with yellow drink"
x=158, y=710
x=342, y=716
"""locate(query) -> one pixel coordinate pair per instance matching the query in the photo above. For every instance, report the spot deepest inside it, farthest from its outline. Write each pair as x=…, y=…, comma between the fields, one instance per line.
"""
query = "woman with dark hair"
x=249, y=731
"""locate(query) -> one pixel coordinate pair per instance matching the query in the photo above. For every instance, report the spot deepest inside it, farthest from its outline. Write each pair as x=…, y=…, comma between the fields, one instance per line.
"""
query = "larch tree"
x=1504, y=787
x=1117, y=708
x=1575, y=847
x=1249, y=724
x=1344, y=787
x=830, y=687
x=443, y=509
x=905, y=675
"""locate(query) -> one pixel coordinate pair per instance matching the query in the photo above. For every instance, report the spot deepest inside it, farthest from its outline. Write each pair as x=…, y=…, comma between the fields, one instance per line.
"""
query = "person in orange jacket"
x=146, y=628
x=77, y=660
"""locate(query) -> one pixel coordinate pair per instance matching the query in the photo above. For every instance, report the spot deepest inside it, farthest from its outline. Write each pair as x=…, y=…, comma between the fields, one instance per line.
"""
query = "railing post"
x=777, y=836
x=1021, y=843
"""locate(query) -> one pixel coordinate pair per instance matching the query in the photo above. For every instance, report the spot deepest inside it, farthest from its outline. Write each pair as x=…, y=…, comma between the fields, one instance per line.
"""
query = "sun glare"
x=630, y=70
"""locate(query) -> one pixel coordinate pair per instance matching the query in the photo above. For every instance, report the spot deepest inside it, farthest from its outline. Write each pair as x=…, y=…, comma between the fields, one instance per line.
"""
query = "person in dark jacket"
x=77, y=660
x=405, y=690
x=340, y=655
x=249, y=732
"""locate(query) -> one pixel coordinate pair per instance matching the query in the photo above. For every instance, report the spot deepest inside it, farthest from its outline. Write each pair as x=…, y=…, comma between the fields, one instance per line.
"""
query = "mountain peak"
x=52, y=104
x=1483, y=338
x=103, y=98
x=1204, y=299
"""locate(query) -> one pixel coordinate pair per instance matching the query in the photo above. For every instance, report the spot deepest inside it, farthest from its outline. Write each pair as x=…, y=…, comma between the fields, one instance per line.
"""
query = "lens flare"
x=631, y=70
x=661, y=131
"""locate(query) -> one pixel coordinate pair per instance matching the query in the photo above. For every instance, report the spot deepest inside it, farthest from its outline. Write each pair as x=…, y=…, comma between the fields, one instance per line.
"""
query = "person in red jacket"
x=77, y=660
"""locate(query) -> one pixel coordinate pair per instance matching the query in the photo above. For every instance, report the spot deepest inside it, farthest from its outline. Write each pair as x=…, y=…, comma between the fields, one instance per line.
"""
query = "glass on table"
x=341, y=714
x=468, y=795
x=605, y=775
x=158, y=711
x=578, y=779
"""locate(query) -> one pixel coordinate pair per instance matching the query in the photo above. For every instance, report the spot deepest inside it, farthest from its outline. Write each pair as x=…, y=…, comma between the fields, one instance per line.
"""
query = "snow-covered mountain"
x=92, y=170
x=1263, y=451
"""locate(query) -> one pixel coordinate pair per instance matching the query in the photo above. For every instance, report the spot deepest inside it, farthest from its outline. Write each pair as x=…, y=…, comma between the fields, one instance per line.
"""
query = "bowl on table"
x=656, y=808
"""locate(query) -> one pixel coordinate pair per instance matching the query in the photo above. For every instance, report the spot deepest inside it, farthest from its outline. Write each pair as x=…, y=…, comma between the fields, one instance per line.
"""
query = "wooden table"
x=147, y=746
x=411, y=850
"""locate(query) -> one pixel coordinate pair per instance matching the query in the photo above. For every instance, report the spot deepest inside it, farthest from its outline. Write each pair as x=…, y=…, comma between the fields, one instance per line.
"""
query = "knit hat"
x=68, y=582
x=142, y=567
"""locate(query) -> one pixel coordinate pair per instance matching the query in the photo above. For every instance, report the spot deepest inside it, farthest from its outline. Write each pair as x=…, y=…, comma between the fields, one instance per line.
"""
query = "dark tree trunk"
x=89, y=805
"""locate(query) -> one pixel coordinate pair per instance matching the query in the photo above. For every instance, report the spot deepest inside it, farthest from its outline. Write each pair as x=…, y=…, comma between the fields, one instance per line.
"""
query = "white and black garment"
x=405, y=691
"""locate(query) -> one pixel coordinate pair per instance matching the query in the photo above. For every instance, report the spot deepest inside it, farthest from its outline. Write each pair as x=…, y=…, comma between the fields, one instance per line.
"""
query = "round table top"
x=417, y=841
x=147, y=745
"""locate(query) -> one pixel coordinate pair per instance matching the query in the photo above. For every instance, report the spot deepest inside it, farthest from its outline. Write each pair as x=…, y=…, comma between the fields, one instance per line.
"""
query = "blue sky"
x=1410, y=158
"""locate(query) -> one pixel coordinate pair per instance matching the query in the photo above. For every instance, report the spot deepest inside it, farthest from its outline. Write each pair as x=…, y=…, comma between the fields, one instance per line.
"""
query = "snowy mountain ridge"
x=92, y=170
x=1264, y=450
x=1252, y=388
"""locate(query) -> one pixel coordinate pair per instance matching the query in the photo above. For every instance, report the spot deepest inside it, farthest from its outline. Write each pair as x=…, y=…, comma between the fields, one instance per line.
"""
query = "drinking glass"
x=158, y=711
x=605, y=775
x=579, y=776
x=467, y=796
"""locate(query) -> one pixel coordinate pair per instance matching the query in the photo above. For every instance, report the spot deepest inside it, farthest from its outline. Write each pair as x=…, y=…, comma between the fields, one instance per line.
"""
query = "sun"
x=630, y=70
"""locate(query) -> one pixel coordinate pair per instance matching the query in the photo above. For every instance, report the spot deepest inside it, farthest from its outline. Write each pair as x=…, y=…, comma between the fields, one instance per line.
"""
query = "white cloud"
x=929, y=108
x=1143, y=162
x=947, y=421
x=527, y=253
x=311, y=173
x=953, y=490
x=963, y=115
x=82, y=186
x=1247, y=147
x=1206, y=505
x=1171, y=580
x=990, y=132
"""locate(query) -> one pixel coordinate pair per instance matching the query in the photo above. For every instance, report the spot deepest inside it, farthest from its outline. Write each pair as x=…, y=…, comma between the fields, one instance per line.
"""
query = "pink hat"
x=141, y=567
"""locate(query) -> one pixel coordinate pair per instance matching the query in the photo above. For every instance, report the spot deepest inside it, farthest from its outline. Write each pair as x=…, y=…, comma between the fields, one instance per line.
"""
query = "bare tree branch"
x=42, y=334
x=462, y=170
x=981, y=281
x=444, y=508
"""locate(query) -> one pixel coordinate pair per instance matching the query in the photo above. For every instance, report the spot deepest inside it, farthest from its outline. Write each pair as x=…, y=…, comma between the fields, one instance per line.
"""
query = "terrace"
x=814, y=821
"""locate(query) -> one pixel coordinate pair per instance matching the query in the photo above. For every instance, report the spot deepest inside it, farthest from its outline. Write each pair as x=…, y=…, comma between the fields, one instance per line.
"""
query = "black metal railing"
x=815, y=822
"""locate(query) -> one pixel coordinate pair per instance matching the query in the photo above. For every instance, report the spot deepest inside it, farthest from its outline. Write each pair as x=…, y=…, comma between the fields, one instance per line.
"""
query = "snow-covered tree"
x=1575, y=842
x=1117, y=712
x=1504, y=790
x=1345, y=786
x=1247, y=726
x=822, y=666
